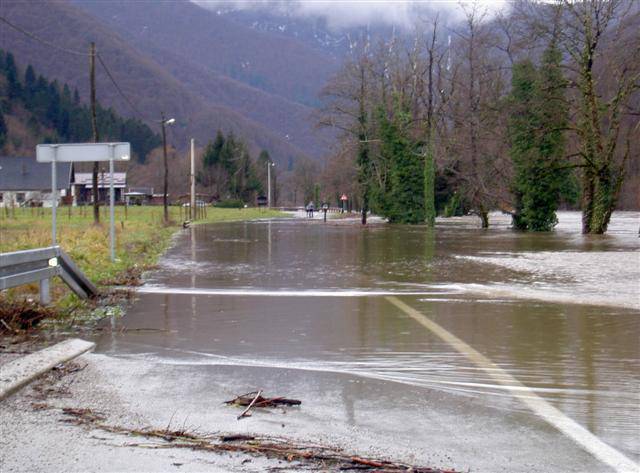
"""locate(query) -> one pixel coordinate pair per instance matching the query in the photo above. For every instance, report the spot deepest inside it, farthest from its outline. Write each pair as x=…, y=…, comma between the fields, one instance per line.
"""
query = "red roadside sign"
x=344, y=197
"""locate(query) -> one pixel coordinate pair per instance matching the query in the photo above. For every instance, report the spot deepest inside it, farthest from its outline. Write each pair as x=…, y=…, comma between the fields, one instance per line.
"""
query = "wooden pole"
x=96, y=137
x=165, y=197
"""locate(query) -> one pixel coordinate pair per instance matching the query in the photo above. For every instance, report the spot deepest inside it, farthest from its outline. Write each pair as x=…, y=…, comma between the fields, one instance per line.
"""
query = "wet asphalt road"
x=302, y=309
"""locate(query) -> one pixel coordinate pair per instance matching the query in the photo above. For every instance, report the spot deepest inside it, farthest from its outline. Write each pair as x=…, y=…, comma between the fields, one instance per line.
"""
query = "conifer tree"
x=537, y=118
x=11, y=72
x=3, y=130
x=211, y=156
x=407, y=203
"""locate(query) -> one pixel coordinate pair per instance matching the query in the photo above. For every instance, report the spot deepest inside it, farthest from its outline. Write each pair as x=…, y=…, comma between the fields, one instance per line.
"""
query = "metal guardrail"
x=40, y=265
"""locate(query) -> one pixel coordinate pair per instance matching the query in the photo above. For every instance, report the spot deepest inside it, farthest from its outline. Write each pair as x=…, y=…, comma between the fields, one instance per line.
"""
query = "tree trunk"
x=429, y=188
x=484, y=216
x=600, y=194
x=364, y=209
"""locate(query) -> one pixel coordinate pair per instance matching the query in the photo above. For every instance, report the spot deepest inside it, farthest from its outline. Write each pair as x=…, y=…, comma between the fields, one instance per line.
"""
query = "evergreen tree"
x=11, y=72
x=3, y=130
x=212, y=153
x=229, y=158
x=537, y=117
x=407, y=169
x=53, y=106
x=250, y=185
x=522, y=127
x=29, y=85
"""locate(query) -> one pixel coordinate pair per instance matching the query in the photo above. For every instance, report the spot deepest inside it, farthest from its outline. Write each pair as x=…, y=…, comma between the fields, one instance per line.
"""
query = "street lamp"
x=165, y=199
x=269, y=166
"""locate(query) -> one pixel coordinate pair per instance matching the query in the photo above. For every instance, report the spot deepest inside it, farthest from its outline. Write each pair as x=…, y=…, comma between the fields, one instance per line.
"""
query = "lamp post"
x=192, y=182
x=269, y=166
x=165, y=196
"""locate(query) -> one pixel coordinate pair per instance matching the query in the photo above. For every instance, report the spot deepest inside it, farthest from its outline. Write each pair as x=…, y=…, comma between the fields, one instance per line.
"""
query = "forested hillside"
x=43, y=111
x=148, y=85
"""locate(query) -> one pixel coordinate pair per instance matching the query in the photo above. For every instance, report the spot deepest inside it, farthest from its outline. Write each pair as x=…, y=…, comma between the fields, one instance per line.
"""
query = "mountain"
x=272, y=63
x=151, y=84
x=188, y=51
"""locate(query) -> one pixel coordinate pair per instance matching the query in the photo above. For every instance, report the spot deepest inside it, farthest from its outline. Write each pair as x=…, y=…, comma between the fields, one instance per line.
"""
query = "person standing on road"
x=310, y=209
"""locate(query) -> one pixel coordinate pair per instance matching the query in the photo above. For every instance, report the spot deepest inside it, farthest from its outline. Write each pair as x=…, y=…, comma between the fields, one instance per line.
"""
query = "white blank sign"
x=81, y=152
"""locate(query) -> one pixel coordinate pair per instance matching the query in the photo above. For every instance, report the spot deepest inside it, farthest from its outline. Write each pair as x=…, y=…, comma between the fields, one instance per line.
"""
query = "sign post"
x=343, y=202
x=54, y=200
x=84, y=152
x=112, y=204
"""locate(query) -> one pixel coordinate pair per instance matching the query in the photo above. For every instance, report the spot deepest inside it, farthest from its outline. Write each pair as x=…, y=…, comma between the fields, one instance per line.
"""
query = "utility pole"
x=269, y=166
x=94, y=128
x=165, y=196
x=164, y=122
x=192, y=207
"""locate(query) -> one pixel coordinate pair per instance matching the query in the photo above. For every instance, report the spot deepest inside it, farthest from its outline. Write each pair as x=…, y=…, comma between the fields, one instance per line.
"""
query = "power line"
x=43, y=41
x=122, y=94
x=78, y=53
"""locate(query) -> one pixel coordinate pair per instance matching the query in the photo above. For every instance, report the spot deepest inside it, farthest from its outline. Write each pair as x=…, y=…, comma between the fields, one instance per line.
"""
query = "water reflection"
x=519, y=299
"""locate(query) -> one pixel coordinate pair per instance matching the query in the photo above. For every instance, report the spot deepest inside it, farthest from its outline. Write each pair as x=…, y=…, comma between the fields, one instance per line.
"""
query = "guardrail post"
x=45, y=291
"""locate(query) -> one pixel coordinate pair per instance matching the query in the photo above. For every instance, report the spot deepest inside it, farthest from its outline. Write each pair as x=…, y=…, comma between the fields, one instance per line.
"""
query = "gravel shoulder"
x=38, y=437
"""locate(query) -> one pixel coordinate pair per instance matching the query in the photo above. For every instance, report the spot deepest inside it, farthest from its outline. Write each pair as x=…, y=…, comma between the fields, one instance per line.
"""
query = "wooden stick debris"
x=245, y=412
x=261, y=401
x=310, y=456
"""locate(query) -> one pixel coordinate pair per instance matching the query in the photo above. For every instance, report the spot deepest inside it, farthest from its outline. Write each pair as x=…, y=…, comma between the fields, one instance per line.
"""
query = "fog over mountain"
x=340, y=14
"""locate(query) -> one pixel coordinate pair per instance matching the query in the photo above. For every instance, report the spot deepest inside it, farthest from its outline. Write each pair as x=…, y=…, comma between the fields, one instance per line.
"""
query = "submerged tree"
x=601, y=43
x=591, y=23
x=537, y=122
x=406, y=199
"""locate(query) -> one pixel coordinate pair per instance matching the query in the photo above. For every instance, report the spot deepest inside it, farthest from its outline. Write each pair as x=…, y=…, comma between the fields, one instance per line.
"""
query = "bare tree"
x=347, y=109
x=477, y=84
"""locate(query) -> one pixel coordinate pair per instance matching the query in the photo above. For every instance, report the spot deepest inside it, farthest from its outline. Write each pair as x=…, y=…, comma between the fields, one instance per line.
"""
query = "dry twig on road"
x=246, y=411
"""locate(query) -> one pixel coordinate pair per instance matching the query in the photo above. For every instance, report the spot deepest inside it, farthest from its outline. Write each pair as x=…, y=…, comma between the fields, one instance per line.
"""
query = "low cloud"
x=347, y=13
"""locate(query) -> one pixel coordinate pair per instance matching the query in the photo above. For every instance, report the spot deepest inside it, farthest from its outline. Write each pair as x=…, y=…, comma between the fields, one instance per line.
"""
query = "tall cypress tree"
x=523, y=124
x=538, y=115
x=407, y=203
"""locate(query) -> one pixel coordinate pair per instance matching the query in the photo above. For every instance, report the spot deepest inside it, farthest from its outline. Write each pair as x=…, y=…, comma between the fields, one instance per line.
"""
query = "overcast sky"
x=359, y=12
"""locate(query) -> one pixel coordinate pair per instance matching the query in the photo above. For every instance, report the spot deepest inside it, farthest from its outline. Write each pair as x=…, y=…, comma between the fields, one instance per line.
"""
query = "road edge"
x=16, y=374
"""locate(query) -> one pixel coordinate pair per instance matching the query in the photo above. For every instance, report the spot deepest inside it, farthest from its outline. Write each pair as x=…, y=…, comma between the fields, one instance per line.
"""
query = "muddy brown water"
x=559, y=311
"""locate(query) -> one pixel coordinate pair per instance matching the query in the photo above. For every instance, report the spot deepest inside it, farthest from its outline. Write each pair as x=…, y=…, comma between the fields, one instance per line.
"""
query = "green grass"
x=141, y=238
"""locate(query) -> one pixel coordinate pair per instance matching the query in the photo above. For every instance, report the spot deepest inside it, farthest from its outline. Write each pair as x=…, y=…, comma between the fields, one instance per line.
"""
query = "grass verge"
x=141, y=237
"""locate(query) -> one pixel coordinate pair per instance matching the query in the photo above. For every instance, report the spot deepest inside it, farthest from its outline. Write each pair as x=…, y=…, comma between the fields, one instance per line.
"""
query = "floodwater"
x=559, y=312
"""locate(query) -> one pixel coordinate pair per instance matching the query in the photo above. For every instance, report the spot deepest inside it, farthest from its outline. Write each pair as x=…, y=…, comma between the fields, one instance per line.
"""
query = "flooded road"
x=363, y=320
